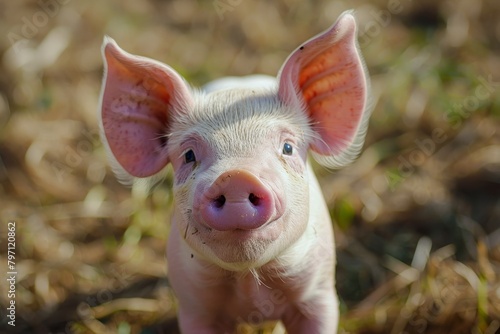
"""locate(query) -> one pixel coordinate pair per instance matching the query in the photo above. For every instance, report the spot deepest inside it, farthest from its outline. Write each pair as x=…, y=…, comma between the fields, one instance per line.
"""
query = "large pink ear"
x=138, y=98
x=326, y=76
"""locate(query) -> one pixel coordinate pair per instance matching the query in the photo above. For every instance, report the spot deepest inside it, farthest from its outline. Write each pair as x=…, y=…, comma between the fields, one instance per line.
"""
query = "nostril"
x=219, y=201
x=254, y=199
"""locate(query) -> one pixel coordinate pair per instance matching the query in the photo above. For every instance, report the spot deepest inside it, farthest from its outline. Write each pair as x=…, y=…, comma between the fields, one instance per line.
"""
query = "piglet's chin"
x=239, y=249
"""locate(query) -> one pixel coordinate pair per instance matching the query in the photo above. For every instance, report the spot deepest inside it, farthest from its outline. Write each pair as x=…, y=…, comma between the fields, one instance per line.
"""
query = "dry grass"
x=417, y=216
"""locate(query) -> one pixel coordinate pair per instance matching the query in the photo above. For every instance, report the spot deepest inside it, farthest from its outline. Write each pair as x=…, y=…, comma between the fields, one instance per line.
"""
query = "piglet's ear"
x=138, y=98
x=326, y=77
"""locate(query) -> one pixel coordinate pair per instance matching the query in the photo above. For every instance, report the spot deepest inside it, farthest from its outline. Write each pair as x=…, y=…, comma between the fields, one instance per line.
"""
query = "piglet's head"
x=239, y=156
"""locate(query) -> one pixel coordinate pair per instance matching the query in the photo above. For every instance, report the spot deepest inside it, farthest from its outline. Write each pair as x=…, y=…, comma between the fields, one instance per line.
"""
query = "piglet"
x=251, y=237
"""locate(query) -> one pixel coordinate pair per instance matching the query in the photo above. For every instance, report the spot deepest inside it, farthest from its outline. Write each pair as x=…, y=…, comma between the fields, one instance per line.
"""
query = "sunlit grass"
x=416, y=216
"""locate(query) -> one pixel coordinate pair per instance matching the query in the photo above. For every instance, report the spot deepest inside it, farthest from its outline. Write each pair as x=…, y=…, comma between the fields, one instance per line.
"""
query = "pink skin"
x=237, y=200
x=251, y=237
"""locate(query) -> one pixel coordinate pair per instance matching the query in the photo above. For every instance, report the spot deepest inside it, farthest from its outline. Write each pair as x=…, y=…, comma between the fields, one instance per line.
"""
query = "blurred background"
x=417, y=216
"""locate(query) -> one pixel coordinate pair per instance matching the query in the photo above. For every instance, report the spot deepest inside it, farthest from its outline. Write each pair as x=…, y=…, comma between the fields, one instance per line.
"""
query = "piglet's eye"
x=287, y=149
x=189, y=157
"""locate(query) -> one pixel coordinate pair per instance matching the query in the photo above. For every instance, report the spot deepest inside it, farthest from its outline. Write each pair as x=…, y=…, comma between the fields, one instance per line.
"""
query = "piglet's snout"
x=236, y=200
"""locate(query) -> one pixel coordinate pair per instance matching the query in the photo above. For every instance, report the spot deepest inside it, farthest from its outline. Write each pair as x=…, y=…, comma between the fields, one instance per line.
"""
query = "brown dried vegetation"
x=417, y=215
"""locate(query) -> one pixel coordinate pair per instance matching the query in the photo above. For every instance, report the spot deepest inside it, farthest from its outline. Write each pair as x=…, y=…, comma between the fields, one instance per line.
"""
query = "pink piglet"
x=251, y=237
